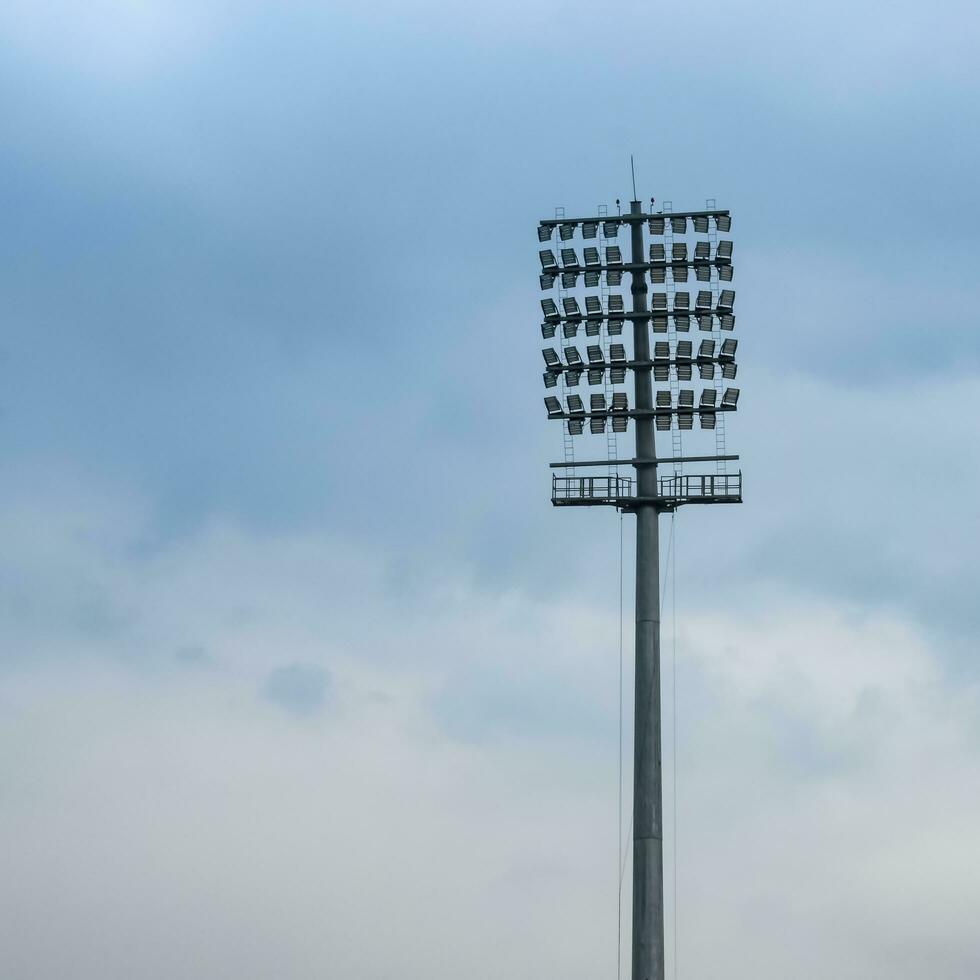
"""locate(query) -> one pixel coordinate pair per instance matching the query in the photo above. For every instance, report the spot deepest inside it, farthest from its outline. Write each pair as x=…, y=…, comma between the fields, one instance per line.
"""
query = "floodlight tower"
x=669, y=314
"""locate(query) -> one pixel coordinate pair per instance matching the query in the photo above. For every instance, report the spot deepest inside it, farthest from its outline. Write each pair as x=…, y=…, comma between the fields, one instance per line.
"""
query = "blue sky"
x=290, y=635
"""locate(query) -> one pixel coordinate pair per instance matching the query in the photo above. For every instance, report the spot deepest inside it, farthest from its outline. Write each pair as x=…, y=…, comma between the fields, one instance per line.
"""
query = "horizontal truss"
x=632, y=219
x=637, y=365
x=644, y=413
x=659, y=460
x=557, y=270
x=718, y=311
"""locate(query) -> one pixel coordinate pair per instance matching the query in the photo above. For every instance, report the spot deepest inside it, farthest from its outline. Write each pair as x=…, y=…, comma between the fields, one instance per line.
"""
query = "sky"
x=301, y=675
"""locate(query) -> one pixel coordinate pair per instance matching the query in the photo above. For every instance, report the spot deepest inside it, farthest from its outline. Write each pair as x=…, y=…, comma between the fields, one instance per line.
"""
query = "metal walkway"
x=673, y=491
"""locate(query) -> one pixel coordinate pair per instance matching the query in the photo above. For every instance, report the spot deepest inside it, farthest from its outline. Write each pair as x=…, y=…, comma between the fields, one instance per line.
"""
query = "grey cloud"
x=298, y=688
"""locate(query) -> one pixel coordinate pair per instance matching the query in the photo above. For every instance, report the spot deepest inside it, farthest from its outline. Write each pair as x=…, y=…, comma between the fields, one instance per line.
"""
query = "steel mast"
x=648, y=837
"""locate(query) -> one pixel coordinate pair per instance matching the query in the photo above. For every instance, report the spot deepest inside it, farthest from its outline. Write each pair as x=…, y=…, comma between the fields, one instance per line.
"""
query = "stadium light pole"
x=671, y=362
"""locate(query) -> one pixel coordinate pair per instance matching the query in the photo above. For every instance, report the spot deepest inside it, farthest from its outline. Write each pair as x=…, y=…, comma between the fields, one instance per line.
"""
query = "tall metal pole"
x=648, y=848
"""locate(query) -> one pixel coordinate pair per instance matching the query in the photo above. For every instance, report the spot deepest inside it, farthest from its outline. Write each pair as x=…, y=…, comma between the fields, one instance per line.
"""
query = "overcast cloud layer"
x=300, y=674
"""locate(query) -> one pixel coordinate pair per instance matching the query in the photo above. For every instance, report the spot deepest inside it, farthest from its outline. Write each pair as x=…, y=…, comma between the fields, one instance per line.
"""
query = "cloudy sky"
x=300, y=673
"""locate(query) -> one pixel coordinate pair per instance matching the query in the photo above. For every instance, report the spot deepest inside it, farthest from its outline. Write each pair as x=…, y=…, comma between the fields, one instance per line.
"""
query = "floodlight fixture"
x=661, y=358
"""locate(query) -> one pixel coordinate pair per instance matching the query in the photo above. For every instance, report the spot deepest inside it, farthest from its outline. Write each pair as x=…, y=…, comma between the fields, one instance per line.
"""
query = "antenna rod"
x=633, y=173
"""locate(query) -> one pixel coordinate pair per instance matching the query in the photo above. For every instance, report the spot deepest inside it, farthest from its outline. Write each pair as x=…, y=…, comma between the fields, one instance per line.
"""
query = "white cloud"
x=168, y=821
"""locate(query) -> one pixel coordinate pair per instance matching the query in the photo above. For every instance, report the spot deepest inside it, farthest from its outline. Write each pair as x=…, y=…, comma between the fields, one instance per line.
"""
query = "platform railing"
x=598, y=488
x=671, y=490
x=714, y=485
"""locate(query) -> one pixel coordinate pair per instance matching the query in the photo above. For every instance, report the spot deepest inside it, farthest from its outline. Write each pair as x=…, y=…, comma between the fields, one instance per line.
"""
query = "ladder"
x=675, y=430
x=709, y=205
x=612, y=452
x=568, y=443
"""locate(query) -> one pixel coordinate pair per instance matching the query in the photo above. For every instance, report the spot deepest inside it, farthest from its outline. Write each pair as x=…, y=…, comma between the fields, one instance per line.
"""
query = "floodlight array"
x=601, y=315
